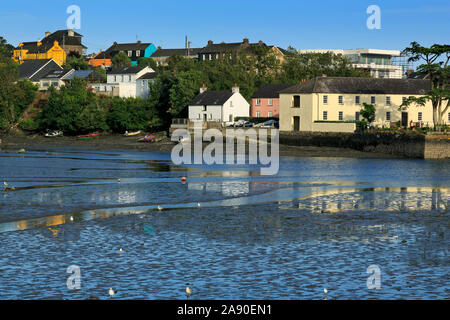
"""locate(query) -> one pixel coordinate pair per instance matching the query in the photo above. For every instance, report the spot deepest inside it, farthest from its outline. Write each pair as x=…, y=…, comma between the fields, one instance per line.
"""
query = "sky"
x=301, y=24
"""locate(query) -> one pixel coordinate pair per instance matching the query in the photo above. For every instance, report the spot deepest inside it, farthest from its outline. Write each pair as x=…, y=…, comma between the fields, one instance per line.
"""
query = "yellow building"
x=38, y=50
x=332, y=104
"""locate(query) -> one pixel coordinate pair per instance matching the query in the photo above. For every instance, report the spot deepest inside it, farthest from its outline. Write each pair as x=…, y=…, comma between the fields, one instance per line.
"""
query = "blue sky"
x=301, y=24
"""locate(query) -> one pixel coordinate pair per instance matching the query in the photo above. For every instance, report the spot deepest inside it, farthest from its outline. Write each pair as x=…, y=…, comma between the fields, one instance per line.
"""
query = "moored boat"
x=147, y=139
x=130, y=134
x=88, y=136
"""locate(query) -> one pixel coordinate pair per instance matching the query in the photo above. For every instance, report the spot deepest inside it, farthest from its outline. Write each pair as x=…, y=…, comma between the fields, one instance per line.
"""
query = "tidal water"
x=227, y=231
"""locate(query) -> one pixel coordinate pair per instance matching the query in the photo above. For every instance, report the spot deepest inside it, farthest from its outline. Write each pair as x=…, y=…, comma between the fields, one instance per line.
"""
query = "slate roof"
x=79, y=74
x=37, y=69
x=127, y=46
x=127, y=70
x=361, y=85
x=172, y=52
x=227, y=47
x=148, y=75
x=57, y=74
x=62, y=36
x=211, y=98
x=270, y=90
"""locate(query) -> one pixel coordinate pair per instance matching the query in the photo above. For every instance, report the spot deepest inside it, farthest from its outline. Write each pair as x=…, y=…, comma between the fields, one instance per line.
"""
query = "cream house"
x=327, y=104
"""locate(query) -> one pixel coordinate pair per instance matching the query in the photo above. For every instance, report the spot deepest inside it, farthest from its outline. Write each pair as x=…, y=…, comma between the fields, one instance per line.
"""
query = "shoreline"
x=163, y=144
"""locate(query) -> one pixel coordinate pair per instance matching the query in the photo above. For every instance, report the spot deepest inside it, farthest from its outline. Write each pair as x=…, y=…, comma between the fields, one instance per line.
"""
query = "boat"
x=147, y=139
x=130, y=134
x=88, y=136
x=54, y=133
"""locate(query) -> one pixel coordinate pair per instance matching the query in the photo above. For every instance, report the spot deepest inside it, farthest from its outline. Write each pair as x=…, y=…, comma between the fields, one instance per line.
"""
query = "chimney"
x=115, y=43
x=139, y=42
x=210, y=42
x=245, y=41
x=203, y=89
x=235, y=89
x=47, y=34
x=159, y=48
x=70, y=33
x=260, y=42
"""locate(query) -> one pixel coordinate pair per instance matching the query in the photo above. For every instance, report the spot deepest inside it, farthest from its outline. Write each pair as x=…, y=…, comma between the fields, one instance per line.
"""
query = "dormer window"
x=130, y=53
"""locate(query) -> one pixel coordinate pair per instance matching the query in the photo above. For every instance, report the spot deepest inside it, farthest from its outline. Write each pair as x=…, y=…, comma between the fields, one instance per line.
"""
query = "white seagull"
x=325, y=290
x=111, y=292
x=160, y=208
x=188, y=292
x=198, y=204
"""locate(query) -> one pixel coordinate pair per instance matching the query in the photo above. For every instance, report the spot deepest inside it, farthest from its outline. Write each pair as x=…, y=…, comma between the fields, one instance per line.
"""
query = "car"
x=271, y=124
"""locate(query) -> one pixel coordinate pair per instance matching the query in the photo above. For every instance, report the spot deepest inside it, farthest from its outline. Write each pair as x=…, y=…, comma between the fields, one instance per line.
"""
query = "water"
x=320, y=223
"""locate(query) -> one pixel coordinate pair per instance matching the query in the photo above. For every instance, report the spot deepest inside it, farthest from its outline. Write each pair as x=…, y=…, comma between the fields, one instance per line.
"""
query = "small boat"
x=88, y=136
x=130, y=134
x=147, y=139
x=54, y=133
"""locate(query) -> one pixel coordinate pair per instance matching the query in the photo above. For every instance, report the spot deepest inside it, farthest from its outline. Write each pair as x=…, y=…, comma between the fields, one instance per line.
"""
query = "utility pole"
x=186, y=45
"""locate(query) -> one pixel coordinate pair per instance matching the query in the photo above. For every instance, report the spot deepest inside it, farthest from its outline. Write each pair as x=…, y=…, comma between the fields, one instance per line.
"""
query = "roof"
x=57, y=74
x=361, y=85
x=79, y=74
x=227, y=47
x=270, y=90
x=127, y=46
x=211, y=98
x=148, y=75
x=36, y=69
x=127, y=70
x=62, y=36
x=172, y=52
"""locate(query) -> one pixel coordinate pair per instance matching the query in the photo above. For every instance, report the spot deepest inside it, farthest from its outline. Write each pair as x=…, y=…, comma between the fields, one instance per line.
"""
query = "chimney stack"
x=139, y=42
x=210, y=42
x=203, y=89
x=159, y=48
x=245, y=41
x=70, y=33
x=260, y=42
x=235, y=89
x=47, y=34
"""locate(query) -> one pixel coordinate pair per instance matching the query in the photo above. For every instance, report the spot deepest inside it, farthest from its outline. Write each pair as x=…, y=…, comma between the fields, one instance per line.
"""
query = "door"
x=296, y=123
x=404, y=119
x=205, y=117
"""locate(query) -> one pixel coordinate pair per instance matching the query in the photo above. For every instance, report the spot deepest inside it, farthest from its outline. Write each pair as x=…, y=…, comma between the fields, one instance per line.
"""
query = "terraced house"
x=333, y=104
x=56, y=46
x=134, y=51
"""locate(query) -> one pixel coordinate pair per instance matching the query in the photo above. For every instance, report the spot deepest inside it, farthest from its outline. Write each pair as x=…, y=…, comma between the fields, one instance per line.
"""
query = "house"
x=56, y=46
x=214, y=51
x=134, y=51
x=379, y=63
x=333, y=104
x=89, y=76
x=54, y=78
x=127, y=82
x=35, y=70
x=142, y=83
x=162, y=55
x=265, y=102
x=218, y=106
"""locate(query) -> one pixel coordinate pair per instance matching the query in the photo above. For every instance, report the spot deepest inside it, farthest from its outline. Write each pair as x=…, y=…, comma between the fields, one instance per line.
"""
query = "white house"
x=127, y=82
x=218, y=106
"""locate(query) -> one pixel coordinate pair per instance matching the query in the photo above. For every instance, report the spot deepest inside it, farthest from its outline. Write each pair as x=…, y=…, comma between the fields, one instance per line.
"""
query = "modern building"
x=134, y=51
x=35, y=70
x=265, y=102
x=218, y=106
x=127, y=82
x=333, y=104
x=56, y=46
x=380, y=63
x=162, y=55
x=54, y=78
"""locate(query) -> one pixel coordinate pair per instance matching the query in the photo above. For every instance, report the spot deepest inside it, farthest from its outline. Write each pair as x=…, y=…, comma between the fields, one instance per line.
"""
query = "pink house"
x=266, y=101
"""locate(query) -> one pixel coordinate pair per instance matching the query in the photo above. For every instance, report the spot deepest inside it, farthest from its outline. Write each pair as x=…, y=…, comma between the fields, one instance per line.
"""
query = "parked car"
x=271, y=124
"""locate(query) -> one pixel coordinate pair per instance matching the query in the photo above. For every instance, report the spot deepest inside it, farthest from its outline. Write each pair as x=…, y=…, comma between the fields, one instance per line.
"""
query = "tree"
x=121, y=60
x=368, y=112
x=435, y=70
x=183, y=91
x=77, y=63
x=147, y=62
x=6, y=49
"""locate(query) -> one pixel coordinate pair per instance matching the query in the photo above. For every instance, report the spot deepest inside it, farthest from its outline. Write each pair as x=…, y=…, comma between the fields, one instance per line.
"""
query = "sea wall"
x=404, y=145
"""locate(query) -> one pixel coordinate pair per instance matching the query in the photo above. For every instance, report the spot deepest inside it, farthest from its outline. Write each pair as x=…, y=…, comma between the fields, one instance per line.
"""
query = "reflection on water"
x=227, y=230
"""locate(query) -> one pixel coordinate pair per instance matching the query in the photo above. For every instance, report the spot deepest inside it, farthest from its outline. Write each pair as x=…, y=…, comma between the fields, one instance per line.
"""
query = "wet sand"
x=162, y=144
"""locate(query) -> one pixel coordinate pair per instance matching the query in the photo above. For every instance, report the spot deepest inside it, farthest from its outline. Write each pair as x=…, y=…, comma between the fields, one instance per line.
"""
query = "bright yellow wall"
x=55, y=52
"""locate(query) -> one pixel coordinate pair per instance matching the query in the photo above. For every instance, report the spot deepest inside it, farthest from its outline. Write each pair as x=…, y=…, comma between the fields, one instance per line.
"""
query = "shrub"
x=29, y=125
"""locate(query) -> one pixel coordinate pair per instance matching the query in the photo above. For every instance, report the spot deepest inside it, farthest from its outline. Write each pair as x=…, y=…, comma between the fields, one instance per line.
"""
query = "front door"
x=205, y=117
x=296, y=123
x=404, y=119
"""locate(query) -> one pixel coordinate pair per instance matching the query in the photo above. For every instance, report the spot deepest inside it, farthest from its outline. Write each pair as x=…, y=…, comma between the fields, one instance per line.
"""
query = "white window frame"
x=258, y=114
x=341, y=100
x=130, y=53
x=341, y=116
x=258, y=102
x=358, y=100
x=325, y=115
x=388, y=116
x=270, y=115
x=388, y=101
x=270, y=102
x=325, y=99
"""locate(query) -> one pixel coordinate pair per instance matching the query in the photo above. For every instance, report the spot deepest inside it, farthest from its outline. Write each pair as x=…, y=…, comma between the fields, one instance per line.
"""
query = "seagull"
x=188, y=292
x=160, y=208
x=71, y=218
x=198, y=204
x=325, y=290
x=111, y=292
x=5, y=184
x=120, y=250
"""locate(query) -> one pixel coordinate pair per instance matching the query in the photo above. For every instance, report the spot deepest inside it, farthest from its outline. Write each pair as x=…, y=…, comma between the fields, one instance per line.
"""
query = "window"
x=270, y=102
x=115, y=78
x=230, y=118
x=204, y=108
x=357, y=100
x=270, y=114
x=138, y=53
x=231, y=104
x=129, y=78
x=325, y=115
x=341, y=99
x=419, y=116
x=258, y=102
x=388, y=101
x=130, y=53
x=388, y=116
x=296, y=102
x=325, y=99
x=258, y=114
x=357, y=116
x=341, y=116
x=449, y=116
x=372, y=100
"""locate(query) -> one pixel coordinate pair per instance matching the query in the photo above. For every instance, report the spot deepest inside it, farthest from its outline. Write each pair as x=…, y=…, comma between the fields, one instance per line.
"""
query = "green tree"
x=147, y=62
x=435, y=69
x=6, y=49
x=159, y=100
x=183, y=91
x=76, y=63
x=121, y=60
x=368, y=112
